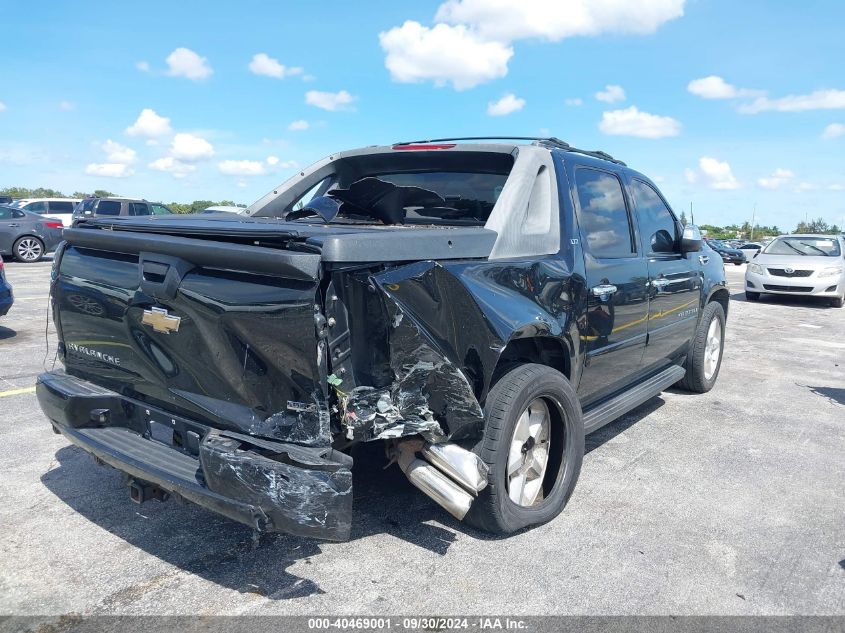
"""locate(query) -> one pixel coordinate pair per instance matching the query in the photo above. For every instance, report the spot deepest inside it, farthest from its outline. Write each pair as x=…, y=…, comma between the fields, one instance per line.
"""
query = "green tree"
x=683, y=218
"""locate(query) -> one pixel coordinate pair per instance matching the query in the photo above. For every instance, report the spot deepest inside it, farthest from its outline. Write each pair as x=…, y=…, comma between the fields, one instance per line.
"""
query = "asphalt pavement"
x=732, y=502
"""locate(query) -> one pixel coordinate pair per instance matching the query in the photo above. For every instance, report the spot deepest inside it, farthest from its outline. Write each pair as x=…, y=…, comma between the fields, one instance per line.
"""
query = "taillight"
x=1, y=263
x=422, y=147
x=53, y=225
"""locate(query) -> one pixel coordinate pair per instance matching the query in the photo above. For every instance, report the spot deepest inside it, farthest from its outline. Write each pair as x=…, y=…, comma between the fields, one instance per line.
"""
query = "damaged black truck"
x=478, y=307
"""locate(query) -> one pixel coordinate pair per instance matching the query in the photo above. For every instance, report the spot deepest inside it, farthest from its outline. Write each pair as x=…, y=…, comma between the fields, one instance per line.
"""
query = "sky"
x=729, y=106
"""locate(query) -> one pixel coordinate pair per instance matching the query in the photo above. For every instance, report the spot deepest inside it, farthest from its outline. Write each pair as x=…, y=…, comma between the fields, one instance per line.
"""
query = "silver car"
x=27, y=236
x=801, y=265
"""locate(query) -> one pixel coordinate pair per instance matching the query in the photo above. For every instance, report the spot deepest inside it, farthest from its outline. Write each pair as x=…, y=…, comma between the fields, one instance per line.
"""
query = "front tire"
x=533, y=444
x=837, y=302
x=704, y=358
x=28, y=249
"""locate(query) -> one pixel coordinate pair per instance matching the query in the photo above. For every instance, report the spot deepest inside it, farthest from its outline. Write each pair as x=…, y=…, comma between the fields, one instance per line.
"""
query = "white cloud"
x=714, y=173
x=190, y=148
x=149, y=125
x=836, y=187
x=299, y=125
x=272, y=160
x=117, y=153
x=818, y=100
x=779, y=177
x=806, y=186
x=2, y=106
x=506, y=105
x=714, y=87
x=505, y=20
x=442, y=54
x=834, y=130
x=632, y=122
x=263, y=64
x=611, y=94
x=241, y=167
x=183, y=62
x=172, y=166
x=331, y=101
x=577, y=101
x=66, y=106
x=143, y=66
x=109, y=170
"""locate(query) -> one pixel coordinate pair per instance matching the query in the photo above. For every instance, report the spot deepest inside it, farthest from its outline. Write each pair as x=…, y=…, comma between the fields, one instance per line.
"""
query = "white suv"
x=56, y=208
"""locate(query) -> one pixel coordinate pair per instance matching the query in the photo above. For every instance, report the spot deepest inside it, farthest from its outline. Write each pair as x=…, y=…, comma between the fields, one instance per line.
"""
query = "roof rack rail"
x=546, y=141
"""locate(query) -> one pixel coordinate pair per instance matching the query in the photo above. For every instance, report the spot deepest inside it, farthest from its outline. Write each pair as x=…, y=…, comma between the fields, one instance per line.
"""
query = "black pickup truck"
x=476, y=306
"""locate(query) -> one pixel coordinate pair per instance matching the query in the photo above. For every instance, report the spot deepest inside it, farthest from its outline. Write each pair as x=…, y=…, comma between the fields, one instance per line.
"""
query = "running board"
x=608, y=411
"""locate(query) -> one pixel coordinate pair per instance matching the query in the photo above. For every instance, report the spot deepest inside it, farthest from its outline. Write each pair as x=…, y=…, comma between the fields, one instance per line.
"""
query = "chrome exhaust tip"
x=452, y=479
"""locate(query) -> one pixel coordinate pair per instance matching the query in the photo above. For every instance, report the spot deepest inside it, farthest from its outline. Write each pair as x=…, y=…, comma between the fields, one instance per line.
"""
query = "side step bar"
x=606, y=412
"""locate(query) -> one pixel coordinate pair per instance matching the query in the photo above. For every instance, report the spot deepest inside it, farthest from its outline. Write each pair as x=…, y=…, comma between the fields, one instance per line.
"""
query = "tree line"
x=176, y=207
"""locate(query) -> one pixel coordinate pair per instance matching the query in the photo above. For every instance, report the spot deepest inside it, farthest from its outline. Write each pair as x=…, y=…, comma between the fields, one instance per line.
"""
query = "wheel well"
x=723, y=297
x=541, y=350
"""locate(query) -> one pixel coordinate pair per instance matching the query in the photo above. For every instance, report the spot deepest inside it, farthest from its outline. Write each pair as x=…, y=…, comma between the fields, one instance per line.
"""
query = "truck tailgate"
x=225, y=333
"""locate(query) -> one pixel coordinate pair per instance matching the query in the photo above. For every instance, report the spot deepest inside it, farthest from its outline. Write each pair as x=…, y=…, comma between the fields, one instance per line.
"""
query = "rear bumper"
x=270, y=486
x=6, y=298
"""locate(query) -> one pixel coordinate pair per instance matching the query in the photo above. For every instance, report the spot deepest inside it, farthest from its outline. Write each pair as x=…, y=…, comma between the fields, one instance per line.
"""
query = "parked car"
x=451, y=300
x=95, y=207
x=55, y=208
x=6, y=200
x=27, y=236
x=728, y=254
x=802, y=265
x=750, y=249
x=7, y=297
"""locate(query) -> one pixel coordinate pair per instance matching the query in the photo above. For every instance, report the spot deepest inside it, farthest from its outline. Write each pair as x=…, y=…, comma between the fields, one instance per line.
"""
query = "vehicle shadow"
x=834, y=394
x=224, y=552
x=6, y=332
x=787, y=300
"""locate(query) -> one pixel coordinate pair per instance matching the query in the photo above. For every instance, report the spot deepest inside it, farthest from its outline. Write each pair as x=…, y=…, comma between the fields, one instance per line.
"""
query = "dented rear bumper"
x=271, y=486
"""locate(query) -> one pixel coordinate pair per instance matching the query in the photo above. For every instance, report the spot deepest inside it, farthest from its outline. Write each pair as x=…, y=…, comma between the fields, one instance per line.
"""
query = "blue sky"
x=764, y=124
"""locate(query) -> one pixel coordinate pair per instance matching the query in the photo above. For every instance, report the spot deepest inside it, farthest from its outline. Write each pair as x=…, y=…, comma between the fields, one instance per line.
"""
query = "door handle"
x=14, y=224
x=703, y=259
x=603, y=291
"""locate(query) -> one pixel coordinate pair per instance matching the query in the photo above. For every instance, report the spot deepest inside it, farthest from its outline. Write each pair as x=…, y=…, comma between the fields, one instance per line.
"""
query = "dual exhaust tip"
x=450, y=475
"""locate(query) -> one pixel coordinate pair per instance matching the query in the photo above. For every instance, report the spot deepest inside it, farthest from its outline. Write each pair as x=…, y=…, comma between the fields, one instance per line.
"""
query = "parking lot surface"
x=732, y=502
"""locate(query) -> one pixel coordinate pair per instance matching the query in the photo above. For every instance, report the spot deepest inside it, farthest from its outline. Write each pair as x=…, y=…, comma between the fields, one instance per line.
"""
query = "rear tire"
x=752, y=296
x=524, y=488
x=704, y=358
x=837, y=302
x=28, y=249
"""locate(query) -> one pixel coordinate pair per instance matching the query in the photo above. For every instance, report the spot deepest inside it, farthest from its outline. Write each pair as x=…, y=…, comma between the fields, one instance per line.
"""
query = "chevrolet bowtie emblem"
x=161, y=321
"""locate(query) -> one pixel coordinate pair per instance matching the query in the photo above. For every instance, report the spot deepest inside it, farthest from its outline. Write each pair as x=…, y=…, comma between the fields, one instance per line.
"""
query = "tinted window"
x=603, y=215
x=138, y=208
x=654, y=216
x=5, y=213
x=18, y=214
x=108, y=207
x=36, y=207
x=64, y=206
x=160, y=209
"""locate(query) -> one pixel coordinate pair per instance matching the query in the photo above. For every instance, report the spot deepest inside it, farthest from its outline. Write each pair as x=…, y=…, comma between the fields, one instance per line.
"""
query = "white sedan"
x=800, y=265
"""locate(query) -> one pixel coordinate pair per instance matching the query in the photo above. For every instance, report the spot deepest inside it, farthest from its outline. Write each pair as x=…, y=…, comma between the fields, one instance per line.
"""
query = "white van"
x=56, y=208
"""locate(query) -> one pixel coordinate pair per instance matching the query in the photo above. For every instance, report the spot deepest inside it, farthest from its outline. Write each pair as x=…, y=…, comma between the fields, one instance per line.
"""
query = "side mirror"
x=691, y=241
x=662, y=242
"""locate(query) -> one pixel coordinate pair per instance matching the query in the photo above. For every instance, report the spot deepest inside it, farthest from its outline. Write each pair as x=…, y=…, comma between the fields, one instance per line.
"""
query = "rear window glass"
x=108, y=207
x=138, y=208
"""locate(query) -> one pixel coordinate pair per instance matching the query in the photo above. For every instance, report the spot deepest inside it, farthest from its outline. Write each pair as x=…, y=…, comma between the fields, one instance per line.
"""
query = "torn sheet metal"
x=294, y=491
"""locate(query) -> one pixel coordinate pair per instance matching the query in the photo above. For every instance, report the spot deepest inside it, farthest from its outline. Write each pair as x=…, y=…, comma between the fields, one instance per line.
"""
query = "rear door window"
x=603, y=215
x=60, y=206
x=108, y=207
x=139, y=208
